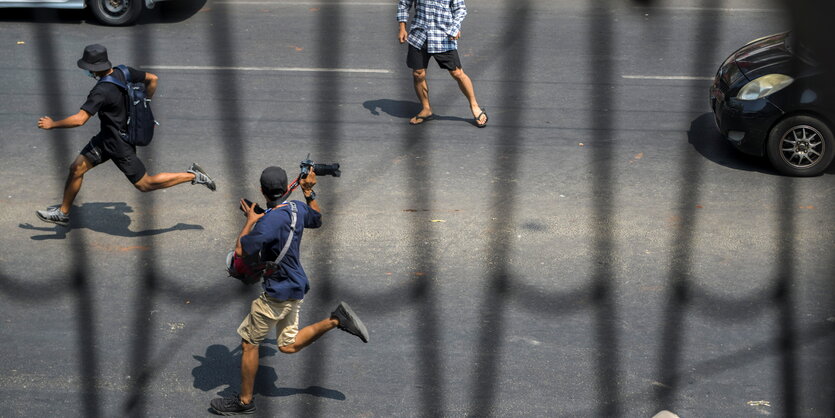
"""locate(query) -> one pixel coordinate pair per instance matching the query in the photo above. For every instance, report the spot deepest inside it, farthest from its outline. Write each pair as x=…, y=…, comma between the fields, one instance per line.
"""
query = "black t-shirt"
x=108, y=100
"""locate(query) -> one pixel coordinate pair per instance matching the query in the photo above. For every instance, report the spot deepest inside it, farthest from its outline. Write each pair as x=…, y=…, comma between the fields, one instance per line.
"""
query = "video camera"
x=304, y=167
x=319, y=169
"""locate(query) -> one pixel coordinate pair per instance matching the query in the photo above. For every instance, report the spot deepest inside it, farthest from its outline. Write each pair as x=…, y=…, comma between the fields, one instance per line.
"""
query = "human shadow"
x=222, y=367
x=397, y=108
x=404, y=109
x=107, y=217
x=172, y=11
x=708, y=142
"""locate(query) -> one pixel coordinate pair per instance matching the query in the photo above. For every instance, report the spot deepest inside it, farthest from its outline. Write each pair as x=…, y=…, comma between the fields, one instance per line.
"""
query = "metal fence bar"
x=681, y=264
x=141, y=367
x=328, y=91
x=501, y=222
x=82, y=290
x=683, y=293
x=601, y=66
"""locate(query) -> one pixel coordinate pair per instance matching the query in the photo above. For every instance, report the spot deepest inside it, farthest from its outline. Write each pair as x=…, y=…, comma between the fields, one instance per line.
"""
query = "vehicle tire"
x=116, y=12
x=800, y=146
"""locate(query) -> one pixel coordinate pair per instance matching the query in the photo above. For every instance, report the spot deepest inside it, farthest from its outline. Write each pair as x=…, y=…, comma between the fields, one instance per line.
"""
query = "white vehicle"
x=108, y=12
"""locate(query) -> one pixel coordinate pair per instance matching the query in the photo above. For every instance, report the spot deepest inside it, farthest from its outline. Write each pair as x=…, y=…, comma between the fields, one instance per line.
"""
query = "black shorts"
x=418, y=59
x=99, y=150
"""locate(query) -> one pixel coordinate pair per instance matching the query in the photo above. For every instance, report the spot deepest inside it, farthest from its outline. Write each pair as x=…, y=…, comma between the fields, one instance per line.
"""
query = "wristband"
x=312, y=196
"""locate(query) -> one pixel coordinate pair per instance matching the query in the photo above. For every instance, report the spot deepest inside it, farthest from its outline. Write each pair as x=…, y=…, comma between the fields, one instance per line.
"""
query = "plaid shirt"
x=435, y=21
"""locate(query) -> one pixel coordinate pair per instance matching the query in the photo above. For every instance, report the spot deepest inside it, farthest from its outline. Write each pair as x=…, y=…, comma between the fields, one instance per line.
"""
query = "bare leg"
x=162, y=181
x=422, y=91
x=249, y=359
x=76, y=176
x=249, y=366
x=309, y=334
x=466, y=86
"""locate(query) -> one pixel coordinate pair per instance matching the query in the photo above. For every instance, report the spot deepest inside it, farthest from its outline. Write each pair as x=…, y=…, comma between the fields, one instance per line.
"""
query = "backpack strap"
x=293, y=217
x=113, y=80
x=125, y=72
x=272, y=266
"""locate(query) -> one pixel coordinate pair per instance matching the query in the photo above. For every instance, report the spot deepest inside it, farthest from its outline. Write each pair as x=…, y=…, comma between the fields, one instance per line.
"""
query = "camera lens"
x=327, y=169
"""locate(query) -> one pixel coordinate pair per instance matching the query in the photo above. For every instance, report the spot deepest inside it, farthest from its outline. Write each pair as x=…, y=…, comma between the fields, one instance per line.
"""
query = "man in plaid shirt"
x=434, y=32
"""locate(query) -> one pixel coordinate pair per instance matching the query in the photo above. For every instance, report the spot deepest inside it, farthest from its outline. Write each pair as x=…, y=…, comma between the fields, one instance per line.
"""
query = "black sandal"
x=478, y=118
x=421, y=119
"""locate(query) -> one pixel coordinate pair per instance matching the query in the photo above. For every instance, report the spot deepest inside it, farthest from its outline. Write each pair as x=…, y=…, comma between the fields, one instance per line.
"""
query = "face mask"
x=89, y=73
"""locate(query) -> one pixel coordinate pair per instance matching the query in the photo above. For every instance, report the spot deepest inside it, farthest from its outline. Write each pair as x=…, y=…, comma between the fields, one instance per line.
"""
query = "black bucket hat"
x=94, y=58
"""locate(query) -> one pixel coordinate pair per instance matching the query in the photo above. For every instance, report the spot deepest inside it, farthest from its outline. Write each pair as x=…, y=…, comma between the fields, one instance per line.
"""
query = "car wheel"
x=800, y=146
x=116, y=12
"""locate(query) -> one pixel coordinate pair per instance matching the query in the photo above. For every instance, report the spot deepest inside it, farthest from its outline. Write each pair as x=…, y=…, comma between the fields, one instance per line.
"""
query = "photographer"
x=268, y=247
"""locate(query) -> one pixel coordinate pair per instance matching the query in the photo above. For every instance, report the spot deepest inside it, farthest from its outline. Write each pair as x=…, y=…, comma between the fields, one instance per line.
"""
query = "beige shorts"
x=267, y=313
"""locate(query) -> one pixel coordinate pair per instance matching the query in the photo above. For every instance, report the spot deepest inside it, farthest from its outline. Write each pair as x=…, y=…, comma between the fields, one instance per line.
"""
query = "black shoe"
x=232, y=406
x=349, y=321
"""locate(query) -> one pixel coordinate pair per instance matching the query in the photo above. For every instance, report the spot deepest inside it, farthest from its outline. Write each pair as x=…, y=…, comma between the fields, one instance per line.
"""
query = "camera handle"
x=306, y=165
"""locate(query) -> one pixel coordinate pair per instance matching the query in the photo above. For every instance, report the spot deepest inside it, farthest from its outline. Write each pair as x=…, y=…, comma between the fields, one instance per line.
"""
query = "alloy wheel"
x=115, y=7
x=802, y=146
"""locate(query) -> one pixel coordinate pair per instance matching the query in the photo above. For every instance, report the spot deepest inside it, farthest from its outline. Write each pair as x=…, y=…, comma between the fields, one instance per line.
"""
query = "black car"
x=771, y=98
x=108, y=12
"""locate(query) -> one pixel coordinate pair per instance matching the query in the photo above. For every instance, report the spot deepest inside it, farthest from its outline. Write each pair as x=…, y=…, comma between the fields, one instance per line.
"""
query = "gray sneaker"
x=200, y=177
x=54, y=215
x=349, y=321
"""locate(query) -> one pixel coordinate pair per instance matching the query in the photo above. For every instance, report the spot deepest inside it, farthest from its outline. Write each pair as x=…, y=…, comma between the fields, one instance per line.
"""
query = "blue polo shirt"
x=266, y=240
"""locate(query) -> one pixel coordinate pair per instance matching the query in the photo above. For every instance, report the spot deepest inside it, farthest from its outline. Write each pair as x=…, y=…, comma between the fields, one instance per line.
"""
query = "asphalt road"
x=597, y=250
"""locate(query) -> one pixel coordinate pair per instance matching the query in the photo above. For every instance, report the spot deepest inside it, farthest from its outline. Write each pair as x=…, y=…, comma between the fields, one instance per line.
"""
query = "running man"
x=108, y=101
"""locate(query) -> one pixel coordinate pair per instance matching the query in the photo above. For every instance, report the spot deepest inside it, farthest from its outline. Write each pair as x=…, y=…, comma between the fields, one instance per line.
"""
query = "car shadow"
x=222, y=367
x=32, y=15
x=106, y=217
x=707, y=141
x=405, y=109
x=171, y=11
